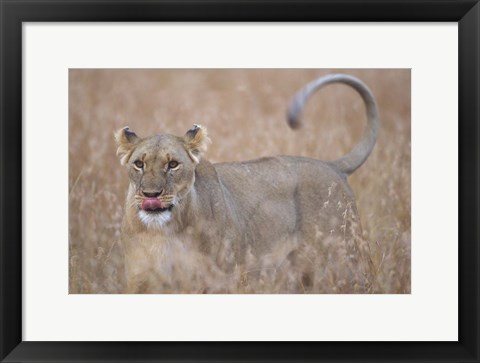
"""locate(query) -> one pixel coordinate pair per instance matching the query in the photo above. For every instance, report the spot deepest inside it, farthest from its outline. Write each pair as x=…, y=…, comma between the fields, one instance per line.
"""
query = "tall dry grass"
x=244, y=111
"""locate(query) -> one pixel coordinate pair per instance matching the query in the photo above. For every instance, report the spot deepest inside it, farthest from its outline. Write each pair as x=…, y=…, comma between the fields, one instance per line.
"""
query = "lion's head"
x=161, y=169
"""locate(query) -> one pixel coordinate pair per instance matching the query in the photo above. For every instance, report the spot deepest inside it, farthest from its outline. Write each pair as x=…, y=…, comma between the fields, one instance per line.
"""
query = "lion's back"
x=289, y=196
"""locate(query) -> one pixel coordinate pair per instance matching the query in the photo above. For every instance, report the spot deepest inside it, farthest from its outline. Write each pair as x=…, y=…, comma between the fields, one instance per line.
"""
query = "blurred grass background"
x=244, y=111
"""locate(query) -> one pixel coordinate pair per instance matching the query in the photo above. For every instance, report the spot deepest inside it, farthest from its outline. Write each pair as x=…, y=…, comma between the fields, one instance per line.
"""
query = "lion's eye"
x=138, y=164
x=172, y=164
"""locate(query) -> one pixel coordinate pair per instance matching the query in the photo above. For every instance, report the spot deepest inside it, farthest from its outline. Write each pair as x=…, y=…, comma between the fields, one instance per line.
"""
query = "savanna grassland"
x=244, y=111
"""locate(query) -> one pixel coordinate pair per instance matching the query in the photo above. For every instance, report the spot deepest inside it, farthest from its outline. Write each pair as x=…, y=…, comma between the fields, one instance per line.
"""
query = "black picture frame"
x=14, y=12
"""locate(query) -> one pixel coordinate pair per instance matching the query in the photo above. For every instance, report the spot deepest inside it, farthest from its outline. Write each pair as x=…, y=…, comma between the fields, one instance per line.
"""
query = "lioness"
x=229, y=209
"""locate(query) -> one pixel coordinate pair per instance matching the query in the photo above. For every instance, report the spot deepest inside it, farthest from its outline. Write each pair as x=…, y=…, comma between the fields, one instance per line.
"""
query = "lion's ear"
x=196, y=142
x=126, y=141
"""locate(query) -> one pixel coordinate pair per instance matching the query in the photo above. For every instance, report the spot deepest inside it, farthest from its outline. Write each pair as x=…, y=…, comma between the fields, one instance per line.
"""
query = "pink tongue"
x=152, y=204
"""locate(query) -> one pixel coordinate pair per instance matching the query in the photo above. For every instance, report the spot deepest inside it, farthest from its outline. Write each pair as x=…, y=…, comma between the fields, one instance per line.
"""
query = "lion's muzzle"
x=152, y=205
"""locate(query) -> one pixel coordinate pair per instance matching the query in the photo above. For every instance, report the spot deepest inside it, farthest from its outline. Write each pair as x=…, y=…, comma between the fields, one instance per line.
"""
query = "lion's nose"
x=151, y=194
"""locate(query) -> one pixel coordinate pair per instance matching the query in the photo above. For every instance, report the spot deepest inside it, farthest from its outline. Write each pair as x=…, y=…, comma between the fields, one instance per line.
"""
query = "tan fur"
x=226, y=209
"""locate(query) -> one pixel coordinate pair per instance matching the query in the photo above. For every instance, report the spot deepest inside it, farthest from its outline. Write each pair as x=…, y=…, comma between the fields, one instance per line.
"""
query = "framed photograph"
x=211, y=181
x=278, y=224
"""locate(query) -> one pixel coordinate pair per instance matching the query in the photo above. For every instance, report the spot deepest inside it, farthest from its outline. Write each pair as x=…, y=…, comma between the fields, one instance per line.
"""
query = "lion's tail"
x=355, y=158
